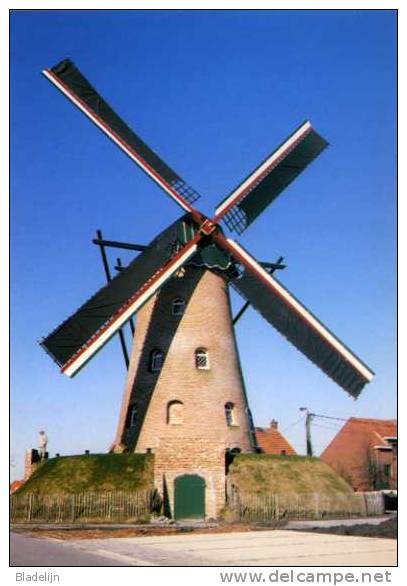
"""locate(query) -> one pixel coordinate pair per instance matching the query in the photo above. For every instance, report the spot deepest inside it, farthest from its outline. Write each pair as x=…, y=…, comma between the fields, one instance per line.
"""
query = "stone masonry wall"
x=31, y=462
x=186, y=455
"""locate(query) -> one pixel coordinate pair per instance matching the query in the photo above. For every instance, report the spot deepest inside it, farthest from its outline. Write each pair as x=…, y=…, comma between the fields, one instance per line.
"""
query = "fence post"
x=29, y=507
x=316, y=498
x=73, y=508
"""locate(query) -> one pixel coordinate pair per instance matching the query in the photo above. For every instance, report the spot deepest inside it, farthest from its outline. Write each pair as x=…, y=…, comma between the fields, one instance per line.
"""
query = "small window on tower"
x=175, y=413
x=156, y=360
x=230, y=414
x=202, y=359
x=178, y=306
x=133, y=416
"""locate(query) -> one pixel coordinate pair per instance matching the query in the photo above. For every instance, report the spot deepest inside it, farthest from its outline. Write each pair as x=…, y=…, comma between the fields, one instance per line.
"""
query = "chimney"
x=274, y=424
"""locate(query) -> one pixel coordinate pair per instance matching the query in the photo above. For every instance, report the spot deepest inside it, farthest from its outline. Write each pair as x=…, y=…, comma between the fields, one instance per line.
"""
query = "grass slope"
x=264, y=473
x=73, y=474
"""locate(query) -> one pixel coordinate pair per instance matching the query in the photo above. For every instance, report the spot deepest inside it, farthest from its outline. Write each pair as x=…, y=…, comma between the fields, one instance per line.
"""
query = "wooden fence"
x=124, y=507
x=109, y=507
x=279, y=507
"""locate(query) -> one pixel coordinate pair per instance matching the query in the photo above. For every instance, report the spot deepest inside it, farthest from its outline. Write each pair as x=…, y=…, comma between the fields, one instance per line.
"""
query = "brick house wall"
x=360, y=451
x=394, y=470
x=385, y=463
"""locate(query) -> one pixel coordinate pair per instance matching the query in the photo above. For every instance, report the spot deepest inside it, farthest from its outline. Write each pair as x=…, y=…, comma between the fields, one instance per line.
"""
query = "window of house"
x=178, y=306
x=230, y=413
x=283, y=452
x=175, y=413
x=156, y=360
x=387, y=471
x=202, y=359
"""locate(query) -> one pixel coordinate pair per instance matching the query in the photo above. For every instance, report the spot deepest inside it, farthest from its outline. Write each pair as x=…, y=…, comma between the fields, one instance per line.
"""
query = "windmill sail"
x=241, y=207
x=67, y=77
x=95, y=322
x=283, y=311
x=75, y=341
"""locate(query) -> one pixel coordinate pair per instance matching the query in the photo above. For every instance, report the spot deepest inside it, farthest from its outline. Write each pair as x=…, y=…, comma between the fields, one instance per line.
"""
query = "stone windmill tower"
x=184, y=398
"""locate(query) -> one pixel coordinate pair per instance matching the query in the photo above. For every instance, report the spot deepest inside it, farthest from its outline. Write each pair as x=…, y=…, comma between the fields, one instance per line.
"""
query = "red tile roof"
x=272, y=441
x=348, y=452
x=15, y=485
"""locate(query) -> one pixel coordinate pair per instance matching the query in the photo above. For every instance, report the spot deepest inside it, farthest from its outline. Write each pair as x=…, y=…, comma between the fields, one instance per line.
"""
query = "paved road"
x=31, y=551
x=258, y=548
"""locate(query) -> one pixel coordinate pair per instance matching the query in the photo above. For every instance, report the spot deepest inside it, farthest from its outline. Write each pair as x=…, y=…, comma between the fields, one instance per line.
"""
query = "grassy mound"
x=265, y=474
x=95, y=472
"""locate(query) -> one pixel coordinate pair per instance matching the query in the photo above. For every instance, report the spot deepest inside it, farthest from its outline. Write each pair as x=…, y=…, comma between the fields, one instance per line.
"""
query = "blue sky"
x=213, y=93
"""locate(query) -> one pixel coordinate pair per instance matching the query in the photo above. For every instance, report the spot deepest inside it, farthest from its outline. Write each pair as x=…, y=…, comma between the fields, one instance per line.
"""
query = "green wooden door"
x=189, y=497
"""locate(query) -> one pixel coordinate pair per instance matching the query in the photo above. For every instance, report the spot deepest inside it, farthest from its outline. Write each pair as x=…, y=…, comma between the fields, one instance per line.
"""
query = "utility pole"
x=308, y=418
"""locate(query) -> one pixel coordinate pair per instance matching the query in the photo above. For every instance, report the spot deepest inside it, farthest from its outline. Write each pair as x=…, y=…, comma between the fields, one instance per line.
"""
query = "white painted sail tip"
x=69, y=372
x=370, y=377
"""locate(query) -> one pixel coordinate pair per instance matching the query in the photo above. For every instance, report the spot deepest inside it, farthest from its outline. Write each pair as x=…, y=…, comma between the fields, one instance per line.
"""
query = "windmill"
x=185, y=398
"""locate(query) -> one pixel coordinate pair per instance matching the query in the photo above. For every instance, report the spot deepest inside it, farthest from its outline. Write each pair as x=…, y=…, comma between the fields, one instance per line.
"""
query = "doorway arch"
x=189, y=497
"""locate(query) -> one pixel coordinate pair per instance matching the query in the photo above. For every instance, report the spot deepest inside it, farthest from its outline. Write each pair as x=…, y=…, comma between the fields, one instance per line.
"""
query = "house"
x=272, y=441
x=15, y=485
x=364, y=452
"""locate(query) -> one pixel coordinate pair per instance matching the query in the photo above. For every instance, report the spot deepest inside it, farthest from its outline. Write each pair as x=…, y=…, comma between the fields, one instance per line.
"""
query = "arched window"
x=202, y=359
x=156, y=360
x=178, y=306
x=230, y=413
x=133, y=415
x=175, y=413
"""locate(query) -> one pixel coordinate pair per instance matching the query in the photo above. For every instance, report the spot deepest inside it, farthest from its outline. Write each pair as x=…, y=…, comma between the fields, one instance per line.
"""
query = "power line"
x=327, y=427
x=293, y=424
x=309, y=417
x=328, y=417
